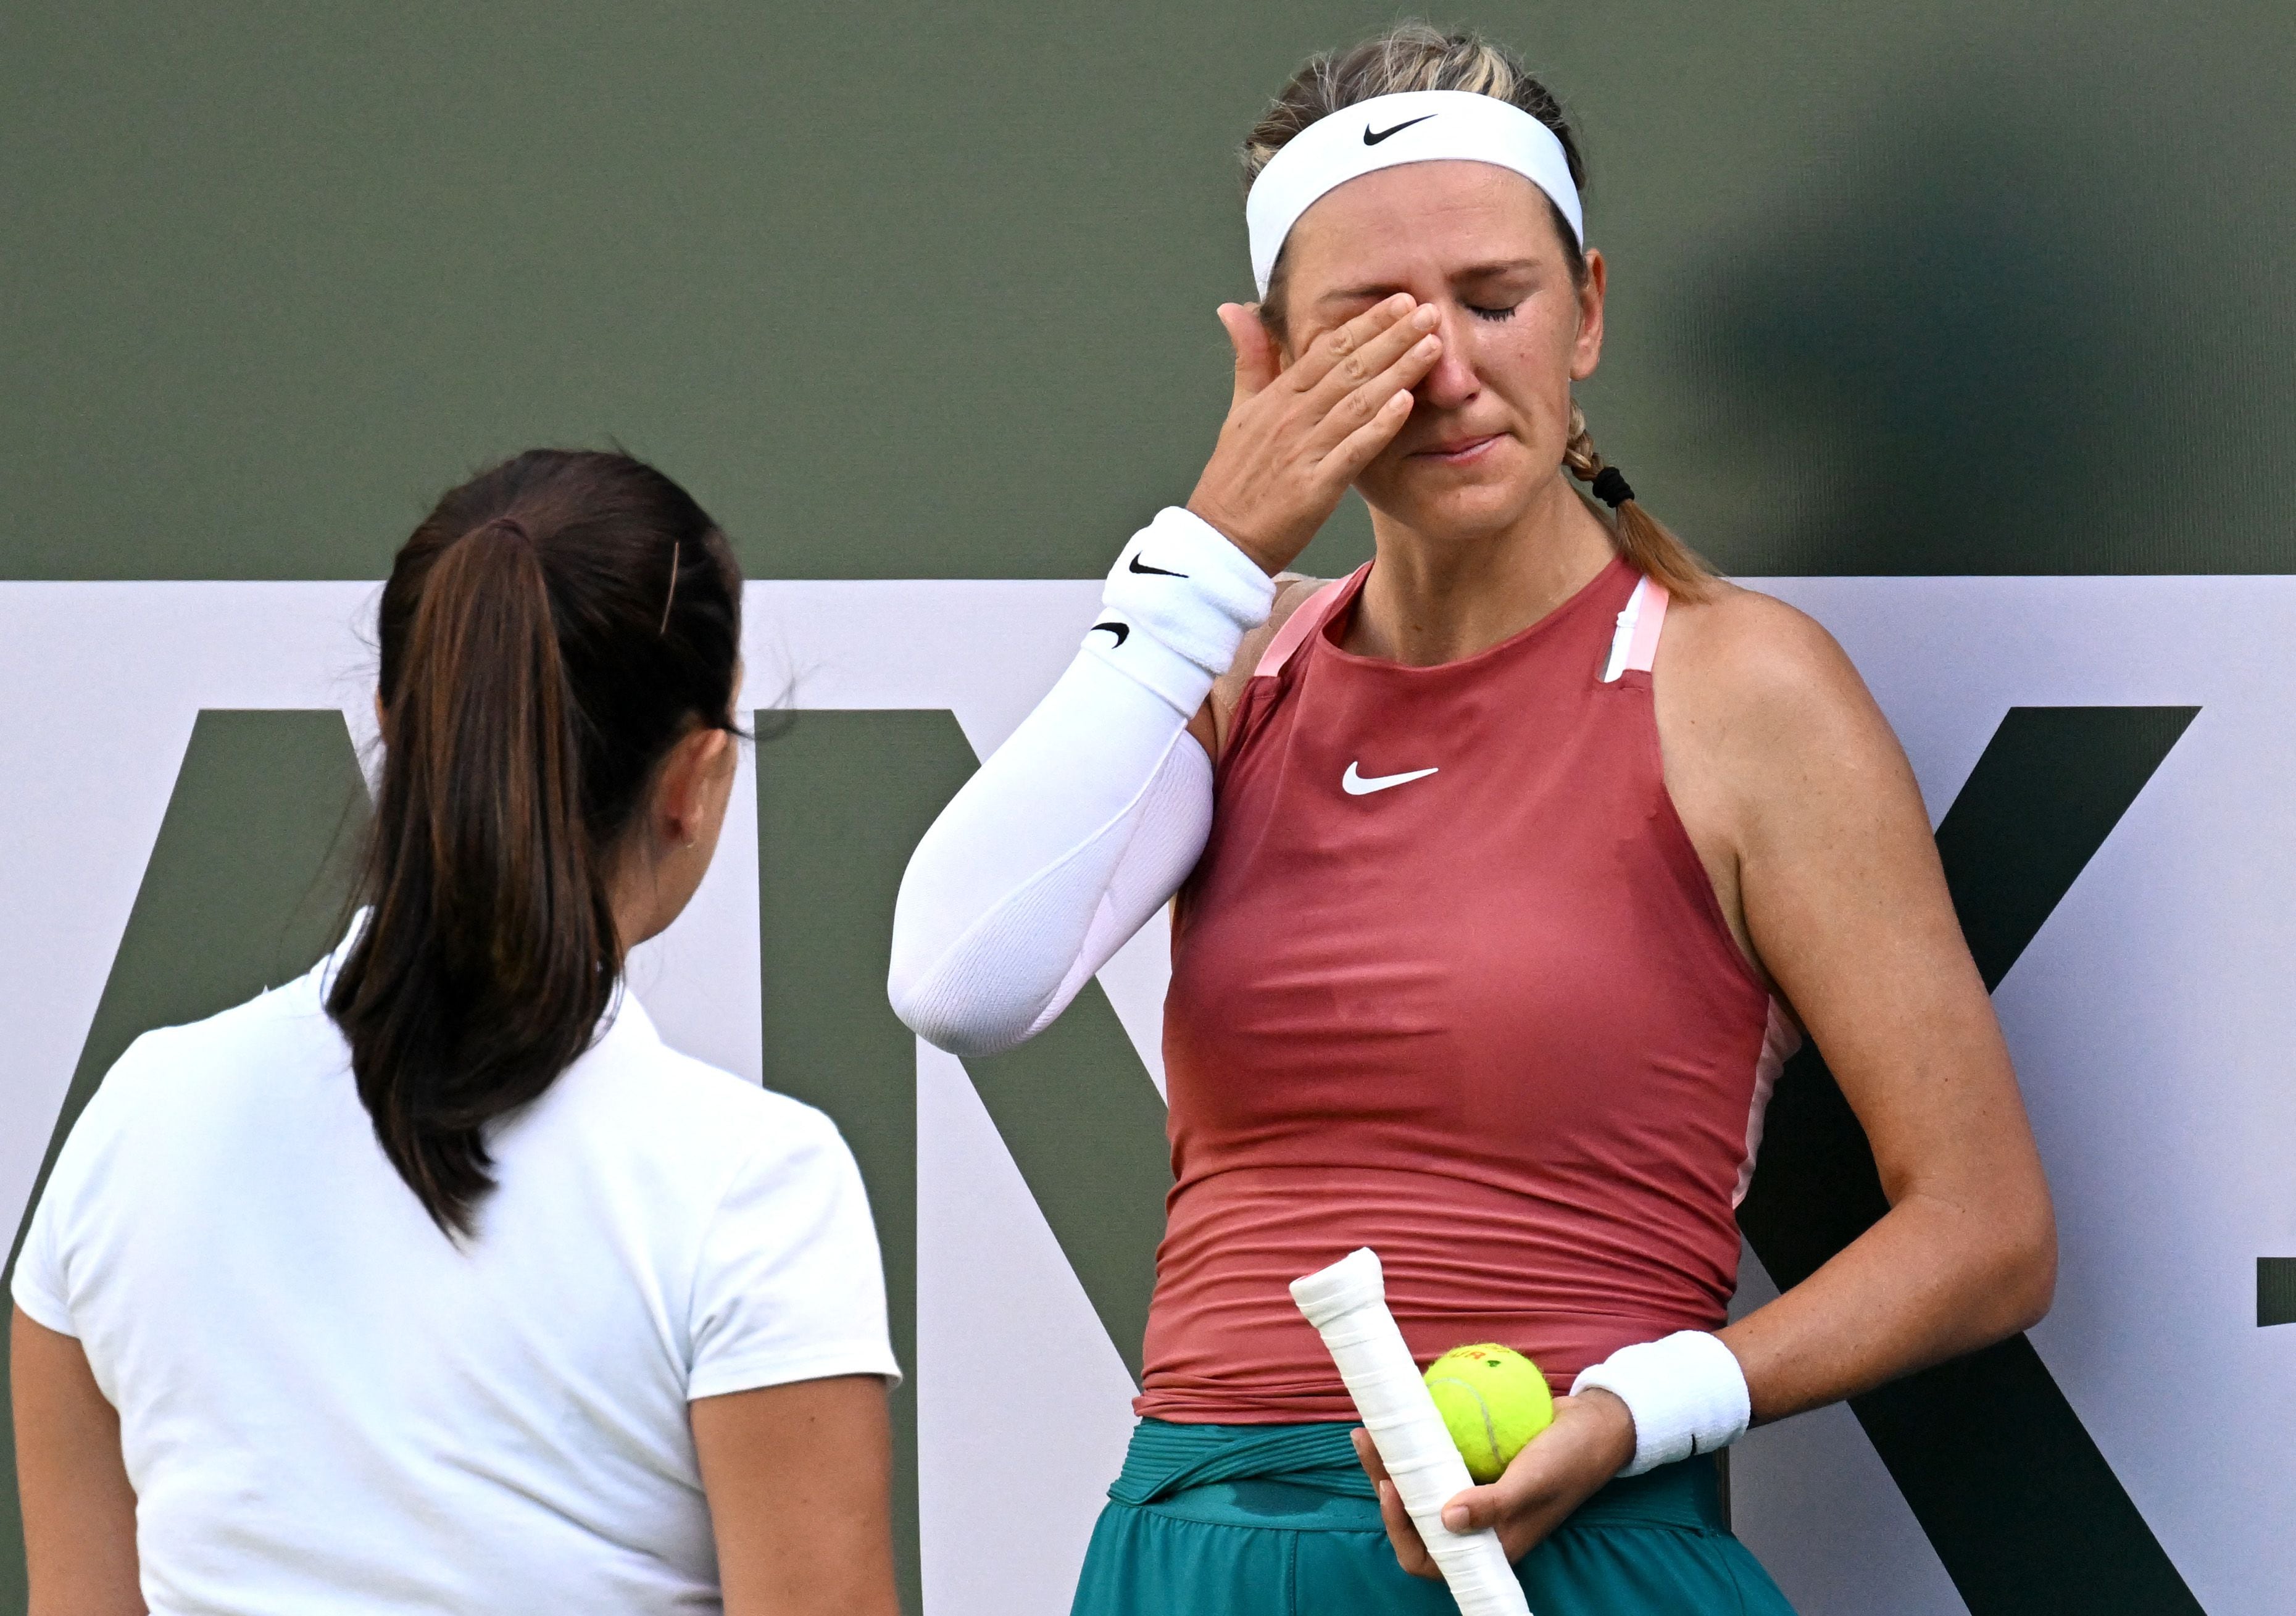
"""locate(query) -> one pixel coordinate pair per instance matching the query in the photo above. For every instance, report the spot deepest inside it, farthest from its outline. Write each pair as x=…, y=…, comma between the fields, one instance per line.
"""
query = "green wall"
x=925, y=290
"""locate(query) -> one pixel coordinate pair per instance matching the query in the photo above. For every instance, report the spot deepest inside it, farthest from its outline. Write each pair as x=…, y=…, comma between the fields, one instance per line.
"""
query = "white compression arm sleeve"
x=1088, y=819
x=1347, y=1303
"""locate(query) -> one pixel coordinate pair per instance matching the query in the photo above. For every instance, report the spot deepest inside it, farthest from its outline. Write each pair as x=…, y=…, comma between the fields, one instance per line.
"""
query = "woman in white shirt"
x=434, y=1280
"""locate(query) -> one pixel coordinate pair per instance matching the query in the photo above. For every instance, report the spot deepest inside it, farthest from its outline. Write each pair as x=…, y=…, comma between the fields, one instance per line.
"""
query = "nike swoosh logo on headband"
x=1371, y=139
x=1122, y=631
x=1159, y=571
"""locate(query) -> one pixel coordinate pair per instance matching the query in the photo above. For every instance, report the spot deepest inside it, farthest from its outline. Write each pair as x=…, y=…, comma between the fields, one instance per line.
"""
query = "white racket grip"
x=1347, y=1303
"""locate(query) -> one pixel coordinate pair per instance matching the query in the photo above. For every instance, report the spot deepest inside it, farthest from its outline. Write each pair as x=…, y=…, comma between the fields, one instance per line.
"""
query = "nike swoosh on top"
x=1159, y=571
x=1122, y=631
x=1356, y=785
x=1371, y=139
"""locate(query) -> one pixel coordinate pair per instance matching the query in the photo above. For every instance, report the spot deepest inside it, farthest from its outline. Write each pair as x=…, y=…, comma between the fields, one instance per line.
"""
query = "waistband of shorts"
x=1307, y=1478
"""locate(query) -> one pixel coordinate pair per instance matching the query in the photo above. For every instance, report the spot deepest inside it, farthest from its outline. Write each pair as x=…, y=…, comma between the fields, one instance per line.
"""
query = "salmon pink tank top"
x=1450, y=982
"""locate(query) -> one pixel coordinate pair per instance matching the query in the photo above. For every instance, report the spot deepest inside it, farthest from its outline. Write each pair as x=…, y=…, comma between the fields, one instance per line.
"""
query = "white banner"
x=2151, y=1020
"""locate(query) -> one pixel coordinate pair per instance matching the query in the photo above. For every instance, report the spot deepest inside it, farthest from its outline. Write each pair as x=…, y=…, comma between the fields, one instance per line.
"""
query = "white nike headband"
x=1414, y=127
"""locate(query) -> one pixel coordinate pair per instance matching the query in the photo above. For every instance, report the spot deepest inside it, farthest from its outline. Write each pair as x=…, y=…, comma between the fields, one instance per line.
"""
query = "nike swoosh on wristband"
x=1371, y=139
x=1356, y=785
x=1159, y=571
x=1122, y=631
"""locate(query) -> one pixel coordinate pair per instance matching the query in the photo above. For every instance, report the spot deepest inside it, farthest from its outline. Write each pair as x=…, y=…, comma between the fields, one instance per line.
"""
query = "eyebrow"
x=1474, y=273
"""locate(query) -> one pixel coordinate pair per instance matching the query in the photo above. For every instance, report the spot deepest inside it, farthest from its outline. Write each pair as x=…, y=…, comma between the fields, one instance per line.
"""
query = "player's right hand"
x=1296, y=437
x=1591, y=1440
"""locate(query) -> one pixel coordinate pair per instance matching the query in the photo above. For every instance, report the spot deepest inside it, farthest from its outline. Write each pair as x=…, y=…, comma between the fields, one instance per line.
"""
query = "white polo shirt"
x=326, y=1406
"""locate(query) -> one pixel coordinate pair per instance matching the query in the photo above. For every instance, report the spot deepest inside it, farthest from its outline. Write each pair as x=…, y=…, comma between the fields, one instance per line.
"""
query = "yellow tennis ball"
x=1493, y=1401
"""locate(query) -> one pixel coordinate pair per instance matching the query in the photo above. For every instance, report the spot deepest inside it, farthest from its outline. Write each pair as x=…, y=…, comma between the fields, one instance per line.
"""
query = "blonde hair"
x=1419, y=56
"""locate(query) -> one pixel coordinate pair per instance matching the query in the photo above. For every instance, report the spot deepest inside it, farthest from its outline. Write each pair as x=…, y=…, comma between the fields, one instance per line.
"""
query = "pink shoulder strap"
x=1635, y=645
x=1305, y=618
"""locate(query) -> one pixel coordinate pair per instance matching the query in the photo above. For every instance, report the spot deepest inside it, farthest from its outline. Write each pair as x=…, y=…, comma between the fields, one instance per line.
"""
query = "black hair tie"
x=1611, y=488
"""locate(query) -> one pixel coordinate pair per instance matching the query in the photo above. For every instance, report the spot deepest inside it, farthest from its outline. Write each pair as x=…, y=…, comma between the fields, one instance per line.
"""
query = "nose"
x=1453, y=383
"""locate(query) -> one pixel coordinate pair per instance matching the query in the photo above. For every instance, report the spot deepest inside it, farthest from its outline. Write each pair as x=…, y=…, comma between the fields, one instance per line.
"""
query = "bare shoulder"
x=1768, y=729
x=1749, y=664
x=1786, y=776
x=1209, y=724
x=1292, y=592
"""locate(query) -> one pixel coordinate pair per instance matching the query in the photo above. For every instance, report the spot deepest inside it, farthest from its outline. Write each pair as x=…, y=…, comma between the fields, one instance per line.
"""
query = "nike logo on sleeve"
x=1356, y=785
x=1136, y=566
x=1122, y=631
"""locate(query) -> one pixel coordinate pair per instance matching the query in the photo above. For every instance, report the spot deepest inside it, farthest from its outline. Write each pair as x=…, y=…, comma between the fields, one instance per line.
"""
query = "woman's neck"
x=1435, y=600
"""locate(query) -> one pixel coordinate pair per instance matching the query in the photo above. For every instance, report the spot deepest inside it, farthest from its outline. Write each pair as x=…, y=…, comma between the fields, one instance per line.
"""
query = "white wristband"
x=1686, y=1393
x=1178, y=602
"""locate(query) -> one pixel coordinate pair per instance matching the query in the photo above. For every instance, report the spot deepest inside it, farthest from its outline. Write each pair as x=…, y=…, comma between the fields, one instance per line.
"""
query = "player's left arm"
x=1804, y=810
x=79, y=1509
x=1783, y=763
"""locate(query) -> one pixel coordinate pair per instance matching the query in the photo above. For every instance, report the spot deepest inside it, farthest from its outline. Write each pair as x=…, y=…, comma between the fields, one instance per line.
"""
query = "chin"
x=1475, y=511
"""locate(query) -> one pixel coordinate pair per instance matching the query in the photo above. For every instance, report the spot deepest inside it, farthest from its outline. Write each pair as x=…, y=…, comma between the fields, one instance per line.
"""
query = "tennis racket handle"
x=1347, y=1303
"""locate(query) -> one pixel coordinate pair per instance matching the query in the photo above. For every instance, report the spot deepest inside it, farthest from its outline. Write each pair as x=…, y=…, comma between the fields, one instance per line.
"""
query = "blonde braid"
x=1640, y=539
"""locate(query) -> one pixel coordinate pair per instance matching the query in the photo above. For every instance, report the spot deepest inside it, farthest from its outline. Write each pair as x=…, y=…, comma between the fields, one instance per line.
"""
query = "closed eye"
x=1493, y=313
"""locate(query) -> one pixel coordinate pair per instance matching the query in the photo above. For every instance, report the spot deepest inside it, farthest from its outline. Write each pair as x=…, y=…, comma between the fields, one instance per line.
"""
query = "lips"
x=1458, y=451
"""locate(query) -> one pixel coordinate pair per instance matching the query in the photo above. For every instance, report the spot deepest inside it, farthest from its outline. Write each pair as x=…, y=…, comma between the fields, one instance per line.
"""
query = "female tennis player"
x=435, y=1280
x=1508, y=871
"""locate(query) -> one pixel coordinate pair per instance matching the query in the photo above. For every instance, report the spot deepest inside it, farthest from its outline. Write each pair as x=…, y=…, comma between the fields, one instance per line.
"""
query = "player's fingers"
x=1256, y=364
x=1350, y=411
x=1382, y=353
x=1347, y=459
x=1367, y=1456
x=1342, y=349
x=1410, y=1549
x=1473, y=1509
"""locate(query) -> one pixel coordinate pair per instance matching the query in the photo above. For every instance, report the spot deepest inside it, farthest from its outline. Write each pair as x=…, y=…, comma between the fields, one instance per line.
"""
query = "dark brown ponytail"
x=548, y=633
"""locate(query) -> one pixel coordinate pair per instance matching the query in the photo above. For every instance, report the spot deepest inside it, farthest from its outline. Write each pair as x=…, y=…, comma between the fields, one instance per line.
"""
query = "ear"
x=1586, y=348
x=694, y=765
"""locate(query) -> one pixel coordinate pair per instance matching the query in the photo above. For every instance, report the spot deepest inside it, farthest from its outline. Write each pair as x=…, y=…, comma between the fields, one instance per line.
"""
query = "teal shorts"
x=1280, y=1520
